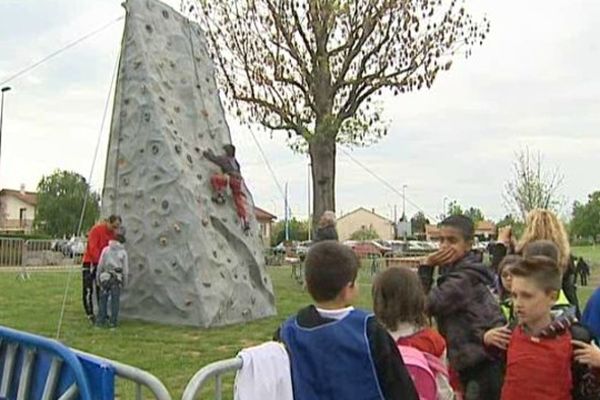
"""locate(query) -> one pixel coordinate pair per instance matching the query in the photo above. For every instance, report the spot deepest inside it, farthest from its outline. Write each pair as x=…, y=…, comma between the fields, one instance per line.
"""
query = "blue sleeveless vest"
x=332, y=361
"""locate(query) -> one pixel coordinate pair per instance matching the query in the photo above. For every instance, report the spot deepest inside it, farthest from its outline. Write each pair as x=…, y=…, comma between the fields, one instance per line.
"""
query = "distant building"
x=18, y=210
x=484, y=230
x=265, y=222
x=361, y=218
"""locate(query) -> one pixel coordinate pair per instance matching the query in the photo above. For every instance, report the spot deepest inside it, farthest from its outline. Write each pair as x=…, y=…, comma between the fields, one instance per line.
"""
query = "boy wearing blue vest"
x=336, y=351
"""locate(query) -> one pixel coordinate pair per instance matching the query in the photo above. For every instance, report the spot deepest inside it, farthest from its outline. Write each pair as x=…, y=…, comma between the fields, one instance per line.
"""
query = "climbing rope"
x=267, y=164
x=87, y=192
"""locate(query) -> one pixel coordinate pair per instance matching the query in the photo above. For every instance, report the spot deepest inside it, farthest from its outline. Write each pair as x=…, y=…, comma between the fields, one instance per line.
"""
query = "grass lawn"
x=173, y=354
x=592, y=255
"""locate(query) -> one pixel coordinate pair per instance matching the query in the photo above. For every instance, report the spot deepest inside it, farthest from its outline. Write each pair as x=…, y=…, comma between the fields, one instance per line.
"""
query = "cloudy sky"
x=533, y=83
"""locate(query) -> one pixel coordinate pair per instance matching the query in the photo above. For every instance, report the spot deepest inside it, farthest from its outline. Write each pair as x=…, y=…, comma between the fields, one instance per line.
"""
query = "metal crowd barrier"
x=215, y=370
x=36, y=368
x=138, y=376
x=11, y=252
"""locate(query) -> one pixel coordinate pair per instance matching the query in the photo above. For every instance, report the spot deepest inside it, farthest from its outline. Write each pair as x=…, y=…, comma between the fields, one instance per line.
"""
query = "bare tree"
x=312, y=68
x=531, y=186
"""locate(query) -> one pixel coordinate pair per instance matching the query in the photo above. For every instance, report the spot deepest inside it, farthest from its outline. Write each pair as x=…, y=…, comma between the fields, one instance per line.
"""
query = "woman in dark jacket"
x=541, y=225
x=326, y=230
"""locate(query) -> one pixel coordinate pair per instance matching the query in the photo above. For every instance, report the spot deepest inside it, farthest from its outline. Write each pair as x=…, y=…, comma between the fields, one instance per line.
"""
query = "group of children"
x=513, y=342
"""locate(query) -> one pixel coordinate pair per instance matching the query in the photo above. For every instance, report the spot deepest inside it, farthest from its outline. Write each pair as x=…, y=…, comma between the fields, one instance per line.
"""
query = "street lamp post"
x=404, y=219
x=444, y=209
x=4, y=89
x=310, y=227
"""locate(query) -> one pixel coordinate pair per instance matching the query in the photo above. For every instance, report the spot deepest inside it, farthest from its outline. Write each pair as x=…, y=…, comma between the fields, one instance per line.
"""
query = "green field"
x=173, y=354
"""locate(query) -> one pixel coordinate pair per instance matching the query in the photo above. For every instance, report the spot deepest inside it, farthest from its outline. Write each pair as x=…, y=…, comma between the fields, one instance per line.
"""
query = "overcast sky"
x=534, y=82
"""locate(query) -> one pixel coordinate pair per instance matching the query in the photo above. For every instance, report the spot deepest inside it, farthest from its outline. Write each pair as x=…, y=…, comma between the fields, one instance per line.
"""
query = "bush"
x=365, y=234
x=582, y=242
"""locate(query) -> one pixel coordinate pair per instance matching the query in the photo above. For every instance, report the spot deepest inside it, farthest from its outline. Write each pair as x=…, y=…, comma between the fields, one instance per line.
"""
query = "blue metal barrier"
x=36, y=368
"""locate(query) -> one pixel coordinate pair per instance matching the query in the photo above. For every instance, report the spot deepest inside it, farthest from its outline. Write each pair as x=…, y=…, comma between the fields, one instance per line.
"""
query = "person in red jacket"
x=536, y=364
x=98, y=239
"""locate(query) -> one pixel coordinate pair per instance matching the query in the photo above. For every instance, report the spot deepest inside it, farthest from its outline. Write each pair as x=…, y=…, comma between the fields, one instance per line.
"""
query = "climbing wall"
x=190, y=261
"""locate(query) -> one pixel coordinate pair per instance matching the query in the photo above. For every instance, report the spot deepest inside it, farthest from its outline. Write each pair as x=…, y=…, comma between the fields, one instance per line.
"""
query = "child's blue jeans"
x=112, y=291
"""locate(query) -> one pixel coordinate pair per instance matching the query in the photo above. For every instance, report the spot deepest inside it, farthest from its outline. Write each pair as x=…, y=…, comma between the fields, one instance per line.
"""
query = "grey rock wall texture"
x=190, y=262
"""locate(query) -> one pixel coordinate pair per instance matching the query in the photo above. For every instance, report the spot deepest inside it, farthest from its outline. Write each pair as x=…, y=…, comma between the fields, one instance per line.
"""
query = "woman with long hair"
x=541, y=224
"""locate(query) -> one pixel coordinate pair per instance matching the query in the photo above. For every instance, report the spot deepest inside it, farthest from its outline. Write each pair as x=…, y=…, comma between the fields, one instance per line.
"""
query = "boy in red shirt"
x=537, y=365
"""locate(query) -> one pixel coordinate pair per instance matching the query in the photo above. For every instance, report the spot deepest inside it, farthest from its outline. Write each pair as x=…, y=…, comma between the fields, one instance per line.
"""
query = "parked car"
x=383, y=246
x=61, y=246
x=76, y=247
x=364, y=248
x=303, y=247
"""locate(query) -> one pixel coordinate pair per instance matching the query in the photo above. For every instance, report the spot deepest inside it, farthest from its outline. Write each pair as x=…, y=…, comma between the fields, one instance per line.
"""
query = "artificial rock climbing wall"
x=190, y=261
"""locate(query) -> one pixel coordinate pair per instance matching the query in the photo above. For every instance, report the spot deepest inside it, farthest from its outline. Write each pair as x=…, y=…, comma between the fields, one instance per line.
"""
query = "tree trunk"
x=322, y=152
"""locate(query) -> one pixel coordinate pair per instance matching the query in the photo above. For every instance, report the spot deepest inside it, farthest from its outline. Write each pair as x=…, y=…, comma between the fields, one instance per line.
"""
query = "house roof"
x=26, y=197
x=365, y=210
x=263, y=215
x=486, y=226
x=481, y=226
x=432, y=230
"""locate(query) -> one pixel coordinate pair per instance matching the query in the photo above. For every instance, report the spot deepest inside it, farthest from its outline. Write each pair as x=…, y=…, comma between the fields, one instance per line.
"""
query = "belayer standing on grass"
x=230, y=175
x=98, y=239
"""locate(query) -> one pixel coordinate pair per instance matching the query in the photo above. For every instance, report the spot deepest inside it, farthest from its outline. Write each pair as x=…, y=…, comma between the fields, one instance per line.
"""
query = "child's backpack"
x=586, y=383
x=429, y=374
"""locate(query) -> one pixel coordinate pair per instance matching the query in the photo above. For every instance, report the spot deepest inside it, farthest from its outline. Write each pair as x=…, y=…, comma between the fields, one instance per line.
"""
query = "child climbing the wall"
x=111, y=276
x=230, y=174
x=399, y=305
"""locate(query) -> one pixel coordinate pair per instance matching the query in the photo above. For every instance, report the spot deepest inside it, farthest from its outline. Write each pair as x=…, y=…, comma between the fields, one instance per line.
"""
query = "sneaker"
x=92, y=319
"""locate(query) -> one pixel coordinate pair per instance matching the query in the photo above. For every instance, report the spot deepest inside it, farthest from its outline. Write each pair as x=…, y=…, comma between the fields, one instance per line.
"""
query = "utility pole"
x=404, y=201
x=3, y=90
x=287, y=216
x=395, y=221
x=404, y=210
x=444, y=211
x=308, y=202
